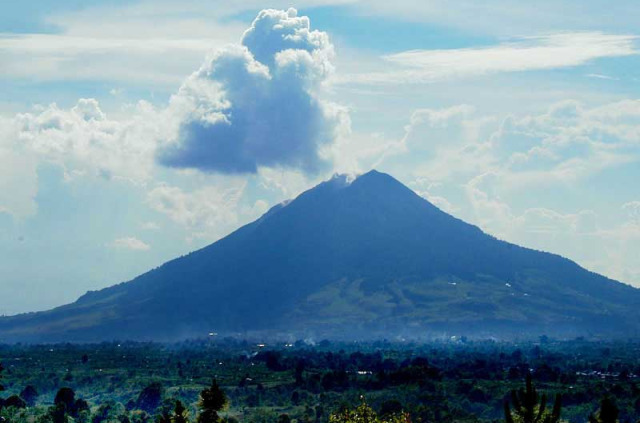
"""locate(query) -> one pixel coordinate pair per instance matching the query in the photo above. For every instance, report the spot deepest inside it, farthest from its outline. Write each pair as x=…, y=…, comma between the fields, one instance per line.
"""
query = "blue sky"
x=135, y=132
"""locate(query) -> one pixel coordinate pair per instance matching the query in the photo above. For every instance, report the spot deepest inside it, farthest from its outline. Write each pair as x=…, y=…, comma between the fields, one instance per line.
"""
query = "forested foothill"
x=227, y=380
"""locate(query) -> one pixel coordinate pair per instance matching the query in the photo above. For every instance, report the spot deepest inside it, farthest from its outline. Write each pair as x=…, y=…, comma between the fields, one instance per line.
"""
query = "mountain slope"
x=367, y=258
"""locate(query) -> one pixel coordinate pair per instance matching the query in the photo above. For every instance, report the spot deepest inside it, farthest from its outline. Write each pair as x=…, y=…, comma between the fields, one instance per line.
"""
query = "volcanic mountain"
x=357, y=259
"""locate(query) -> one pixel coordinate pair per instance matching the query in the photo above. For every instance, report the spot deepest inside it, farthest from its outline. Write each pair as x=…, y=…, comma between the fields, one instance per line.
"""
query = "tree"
x=81, y=405
x=299, y=372
x=180, y=413
x=390, y=407
x=1, y=370
x=15, y=401
x=107, y=412
x=365, y=414
x=608, y=412
x=163, y=417
x=139, y=416
x=165, y=411
x=212, y=400
x=67, y=397
x=58, y=414
x=29, y=395
x=527, y=408
x=295, y=398
x=150, y=398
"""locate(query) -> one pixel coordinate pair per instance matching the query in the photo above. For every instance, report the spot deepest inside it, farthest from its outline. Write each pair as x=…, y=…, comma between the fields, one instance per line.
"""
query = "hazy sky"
x=134, y=132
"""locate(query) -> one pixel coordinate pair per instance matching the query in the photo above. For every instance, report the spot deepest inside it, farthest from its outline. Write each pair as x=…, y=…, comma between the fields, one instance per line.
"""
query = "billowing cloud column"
x=257, y=104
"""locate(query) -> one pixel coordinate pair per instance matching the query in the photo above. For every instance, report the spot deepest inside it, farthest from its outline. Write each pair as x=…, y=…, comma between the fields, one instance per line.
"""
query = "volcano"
x=348, y=259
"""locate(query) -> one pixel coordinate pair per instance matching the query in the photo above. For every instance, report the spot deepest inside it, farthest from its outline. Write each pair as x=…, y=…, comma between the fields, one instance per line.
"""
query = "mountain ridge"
x=366, y=257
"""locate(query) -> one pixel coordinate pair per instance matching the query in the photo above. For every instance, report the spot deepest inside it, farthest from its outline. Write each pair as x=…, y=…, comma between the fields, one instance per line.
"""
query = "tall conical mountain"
x=349, y=259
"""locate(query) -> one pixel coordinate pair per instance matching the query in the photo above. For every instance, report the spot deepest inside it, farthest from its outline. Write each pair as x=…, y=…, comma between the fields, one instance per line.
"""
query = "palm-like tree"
x=529, y=407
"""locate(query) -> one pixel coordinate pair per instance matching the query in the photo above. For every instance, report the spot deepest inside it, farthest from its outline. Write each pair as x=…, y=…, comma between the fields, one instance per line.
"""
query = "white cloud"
x=601, y=76
x=568, y=143
x=210, y=211
x=491, y=212
x=18, y=174
x=439, y=201
x=440, y=144
x=130, y=243
x=547, y=221
x=537, y=227
x=150, y=226
x=506, y=17
x=128, y=44
x=541, y=52
x=83, y=139
x=633, y=210
x=52, y=57
x=575, y=235
x=562, y=146
x=257, y=104
x=432, y=129
x=218, y=121
x=358, y=152
x=618, y=249
x=285, y=184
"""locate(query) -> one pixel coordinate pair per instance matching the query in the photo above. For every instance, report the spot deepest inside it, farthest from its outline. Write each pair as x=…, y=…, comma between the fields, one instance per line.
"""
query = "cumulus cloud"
x=257, y=104
x=440, y=144
x=539, y=227
x=611, y=250
x=83, y=139
x=569, y=142
x=563, y=145
x=130, y=243
x=491, y=212
x=207, y=212
x=432, y=129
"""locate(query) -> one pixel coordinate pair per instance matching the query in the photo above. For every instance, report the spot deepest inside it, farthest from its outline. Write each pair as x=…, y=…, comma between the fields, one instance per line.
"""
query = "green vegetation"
x=230, y=381
x=212, y=400
x=365, y=414
x=527, y=409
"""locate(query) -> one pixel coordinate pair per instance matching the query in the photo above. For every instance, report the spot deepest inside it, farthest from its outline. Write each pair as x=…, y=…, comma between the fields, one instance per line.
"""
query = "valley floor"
x=457, y=380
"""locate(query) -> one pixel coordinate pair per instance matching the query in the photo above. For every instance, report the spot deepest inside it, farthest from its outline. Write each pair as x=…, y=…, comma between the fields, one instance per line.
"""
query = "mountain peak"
x=372, y=180
x=354, y=257
x=346, y=179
